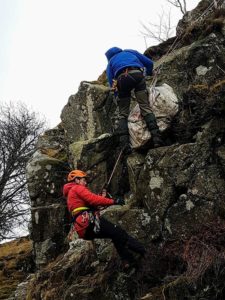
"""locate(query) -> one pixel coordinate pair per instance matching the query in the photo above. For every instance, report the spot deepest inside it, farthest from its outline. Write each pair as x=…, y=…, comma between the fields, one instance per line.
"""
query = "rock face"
x=174, y=194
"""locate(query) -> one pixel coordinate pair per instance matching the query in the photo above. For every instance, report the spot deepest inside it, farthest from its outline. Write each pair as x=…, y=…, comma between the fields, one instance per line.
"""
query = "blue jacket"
x=119, y=59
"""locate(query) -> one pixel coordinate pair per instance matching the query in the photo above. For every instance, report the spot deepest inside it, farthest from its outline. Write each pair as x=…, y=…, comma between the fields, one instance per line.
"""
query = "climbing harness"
x=74, y=211
x=96, y=228
x=84, y=219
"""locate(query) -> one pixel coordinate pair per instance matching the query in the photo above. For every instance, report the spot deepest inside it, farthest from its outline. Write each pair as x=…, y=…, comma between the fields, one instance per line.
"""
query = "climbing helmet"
x=76, y=173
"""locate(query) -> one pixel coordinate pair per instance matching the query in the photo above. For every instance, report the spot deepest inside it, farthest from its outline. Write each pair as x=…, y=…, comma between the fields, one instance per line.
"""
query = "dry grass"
x=205, y=249
x=15, y=247
x=198, y=30
x=214, y=87
x=217, y=85
x=12, y=256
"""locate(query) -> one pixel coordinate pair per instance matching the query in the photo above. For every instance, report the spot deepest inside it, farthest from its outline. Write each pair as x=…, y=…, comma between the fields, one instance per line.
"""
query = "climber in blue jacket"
x=126, y=71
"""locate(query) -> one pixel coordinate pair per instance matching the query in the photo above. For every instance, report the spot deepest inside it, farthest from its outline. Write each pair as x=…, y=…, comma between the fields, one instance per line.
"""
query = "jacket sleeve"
x=147, y=62
x=93, y=199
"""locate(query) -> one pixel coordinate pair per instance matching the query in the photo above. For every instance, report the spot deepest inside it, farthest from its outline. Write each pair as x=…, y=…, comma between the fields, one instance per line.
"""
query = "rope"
x=105, y=186
x=204, y=14
x=110, y=178
x=220, y=68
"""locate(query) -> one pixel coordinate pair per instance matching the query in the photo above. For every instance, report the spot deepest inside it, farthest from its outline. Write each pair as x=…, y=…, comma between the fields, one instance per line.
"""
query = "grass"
x=12, y=256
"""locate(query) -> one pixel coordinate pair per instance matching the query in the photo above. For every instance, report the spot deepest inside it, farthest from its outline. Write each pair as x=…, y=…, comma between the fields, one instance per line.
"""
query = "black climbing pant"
x=126, y=82
x=122, y=241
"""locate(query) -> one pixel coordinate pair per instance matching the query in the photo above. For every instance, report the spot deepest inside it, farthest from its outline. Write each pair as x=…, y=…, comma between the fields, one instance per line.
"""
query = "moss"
x=76, y=151
x=54, y=153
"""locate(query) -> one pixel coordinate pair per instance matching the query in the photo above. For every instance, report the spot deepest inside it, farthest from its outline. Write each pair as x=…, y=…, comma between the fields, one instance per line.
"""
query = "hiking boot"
x=125, y=144
x=123, y=132
x=136, y=246
x=157, y=140
x=154, y=130
x=122, y=127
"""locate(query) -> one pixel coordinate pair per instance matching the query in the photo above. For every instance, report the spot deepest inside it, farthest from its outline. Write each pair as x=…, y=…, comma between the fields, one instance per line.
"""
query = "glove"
x=119, y=201
x=103, y=192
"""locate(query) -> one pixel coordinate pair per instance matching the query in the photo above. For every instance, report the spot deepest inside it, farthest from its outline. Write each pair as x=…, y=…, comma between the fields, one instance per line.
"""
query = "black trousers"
x=122, y=241
x=126, y=82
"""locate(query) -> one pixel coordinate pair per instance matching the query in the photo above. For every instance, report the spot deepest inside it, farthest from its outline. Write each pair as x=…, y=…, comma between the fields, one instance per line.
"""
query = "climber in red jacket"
x=84, y=208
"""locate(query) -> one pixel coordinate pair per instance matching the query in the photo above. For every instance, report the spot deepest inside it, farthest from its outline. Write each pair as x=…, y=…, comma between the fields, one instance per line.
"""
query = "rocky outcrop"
x=86, y=114
x=174, y=194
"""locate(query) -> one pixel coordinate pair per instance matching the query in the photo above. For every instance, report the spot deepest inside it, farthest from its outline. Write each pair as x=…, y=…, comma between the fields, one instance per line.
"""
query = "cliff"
x=174, y=194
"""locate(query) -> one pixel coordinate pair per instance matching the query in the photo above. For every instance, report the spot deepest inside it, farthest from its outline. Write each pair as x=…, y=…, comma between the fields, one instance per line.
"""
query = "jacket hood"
x=67, y=187
x=112, y=51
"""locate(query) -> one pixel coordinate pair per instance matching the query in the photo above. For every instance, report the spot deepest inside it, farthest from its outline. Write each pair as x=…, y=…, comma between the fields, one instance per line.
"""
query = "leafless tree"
x=164, y=29
x=160, y=31
x=181, y=4
x=19, y=129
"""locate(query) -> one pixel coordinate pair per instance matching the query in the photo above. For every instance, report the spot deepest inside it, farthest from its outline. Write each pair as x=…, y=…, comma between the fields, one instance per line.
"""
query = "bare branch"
x=181, y=4
x=19, y=130
x=161, y=31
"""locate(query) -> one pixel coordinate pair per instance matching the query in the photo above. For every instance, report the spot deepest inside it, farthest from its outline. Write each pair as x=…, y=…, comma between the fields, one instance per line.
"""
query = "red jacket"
x=80, y=196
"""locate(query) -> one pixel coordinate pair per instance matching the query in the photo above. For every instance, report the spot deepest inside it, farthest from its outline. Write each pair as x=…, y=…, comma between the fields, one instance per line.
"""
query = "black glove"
x=119, y=201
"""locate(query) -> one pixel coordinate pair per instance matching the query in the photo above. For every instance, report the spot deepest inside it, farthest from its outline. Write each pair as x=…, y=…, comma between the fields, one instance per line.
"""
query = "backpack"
x=164, y=104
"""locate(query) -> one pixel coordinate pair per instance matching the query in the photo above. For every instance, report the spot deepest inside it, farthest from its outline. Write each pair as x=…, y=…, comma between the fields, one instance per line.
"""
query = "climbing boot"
x=125, y=143
x=122, y=126
x=154, y=130
x=156, y=138
x=124, y=138
x=136, y=246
